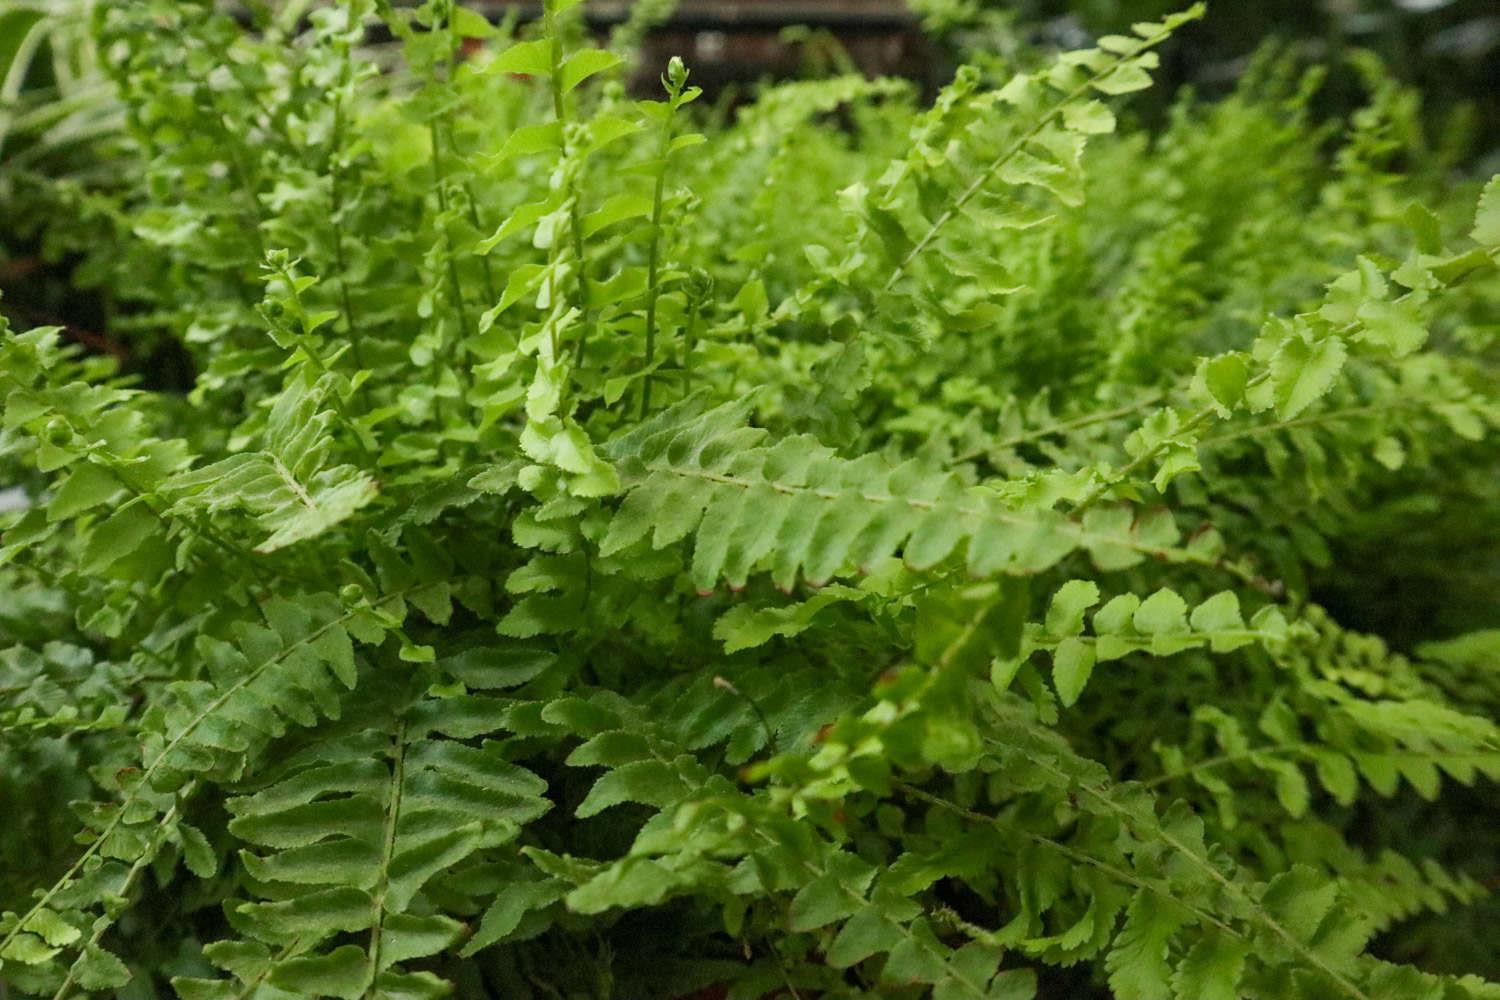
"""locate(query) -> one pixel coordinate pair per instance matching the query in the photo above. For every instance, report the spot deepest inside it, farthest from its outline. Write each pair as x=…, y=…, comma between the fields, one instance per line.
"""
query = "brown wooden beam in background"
x=844, y=15
x=728, y=42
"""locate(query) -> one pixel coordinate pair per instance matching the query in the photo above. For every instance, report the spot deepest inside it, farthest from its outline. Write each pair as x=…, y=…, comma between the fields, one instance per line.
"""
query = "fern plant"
x=846, y=547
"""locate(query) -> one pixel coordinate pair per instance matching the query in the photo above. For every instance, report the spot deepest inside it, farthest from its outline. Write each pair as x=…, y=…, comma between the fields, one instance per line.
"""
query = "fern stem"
x=1108, y=483
x=440, y=184
x=786, y=974
x=335, y=216
x=490, y=293
x=971, y=987
x=1208, y=763
x=117, y=467
x=1291, y=749
x=1072, y=854
x=725, y=684
x=387, y=850
x=1327, y=416
x=336, y=209
x=1064, y=426
x=689, y=341
x=250, y=217
x=249, y=987
x=341, y=414
x=576, y=226
x=1197, y=420
x=309, y=351
x=653, y=288
x=575, y=220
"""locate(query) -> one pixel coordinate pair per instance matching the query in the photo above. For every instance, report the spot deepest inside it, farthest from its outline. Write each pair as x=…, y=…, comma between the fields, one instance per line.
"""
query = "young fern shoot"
x=674, y=80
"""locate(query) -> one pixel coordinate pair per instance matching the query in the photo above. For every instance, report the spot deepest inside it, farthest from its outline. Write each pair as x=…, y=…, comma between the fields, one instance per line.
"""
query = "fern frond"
x=1161, y=624
x=345, y=839
x=794, y=507
x=1045, y=147
x=62, y=688
x=271, y=677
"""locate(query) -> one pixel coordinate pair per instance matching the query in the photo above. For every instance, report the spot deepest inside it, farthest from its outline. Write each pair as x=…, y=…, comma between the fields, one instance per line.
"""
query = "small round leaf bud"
x=351, y=593
x=677, y=74
x=699, y=284
x=57, y=432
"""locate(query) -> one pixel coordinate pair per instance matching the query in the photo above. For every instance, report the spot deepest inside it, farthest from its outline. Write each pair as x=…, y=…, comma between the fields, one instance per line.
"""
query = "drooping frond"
x=796, y=508
x=288, y=671
x=343, y=841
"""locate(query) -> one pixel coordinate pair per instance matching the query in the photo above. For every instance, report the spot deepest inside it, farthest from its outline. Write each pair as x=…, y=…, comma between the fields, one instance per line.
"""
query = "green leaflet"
x=1302, y=372
x=1486, y=229
x=271, y=677
x=1138, y=967
x=1211, y=970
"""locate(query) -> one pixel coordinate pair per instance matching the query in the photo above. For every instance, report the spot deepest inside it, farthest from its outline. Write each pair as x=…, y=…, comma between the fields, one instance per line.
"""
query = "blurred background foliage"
x=60, y=127
x=1448, y=49
x=62, y=143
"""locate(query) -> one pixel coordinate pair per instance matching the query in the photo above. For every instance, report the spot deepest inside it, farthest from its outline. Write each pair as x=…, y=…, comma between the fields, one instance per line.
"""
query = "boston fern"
x=842, y=546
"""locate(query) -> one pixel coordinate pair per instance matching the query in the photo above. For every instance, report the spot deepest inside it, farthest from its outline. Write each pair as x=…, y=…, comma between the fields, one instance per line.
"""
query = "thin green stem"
x=725, y=684
x=653, y=288
x=1072, y=854
x=1208, y=763
x=1294, y=749
x=440, y=183
x=459, y=309
x=341, y=414
x=575, y=220
x=335, y=217
x=117, y=469
x=1064, y=426
x=490, y=292
x=689, y=342
x=1230, y=887
x=953, y=972
x=1326, y=417
x=1130, y=468
x=387, y=851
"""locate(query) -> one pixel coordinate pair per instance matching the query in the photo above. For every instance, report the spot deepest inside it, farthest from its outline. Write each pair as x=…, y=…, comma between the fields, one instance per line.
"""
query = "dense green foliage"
x=1450, y=49
x=841, y=548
